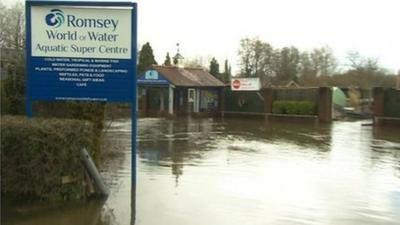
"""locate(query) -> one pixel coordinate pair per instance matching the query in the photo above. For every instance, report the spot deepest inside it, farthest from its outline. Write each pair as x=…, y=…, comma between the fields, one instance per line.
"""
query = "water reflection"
x=233, y=170
x=391, y=134
x=176, y=143
x=80, y=213
x=385, y=146
x=211, y=171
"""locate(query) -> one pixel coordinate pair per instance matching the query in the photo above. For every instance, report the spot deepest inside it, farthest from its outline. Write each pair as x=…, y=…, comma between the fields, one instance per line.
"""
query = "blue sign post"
x=83, y=51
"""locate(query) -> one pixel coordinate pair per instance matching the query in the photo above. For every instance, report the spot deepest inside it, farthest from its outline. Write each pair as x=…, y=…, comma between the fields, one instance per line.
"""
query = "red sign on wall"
x=236, y=84
x=246, y=84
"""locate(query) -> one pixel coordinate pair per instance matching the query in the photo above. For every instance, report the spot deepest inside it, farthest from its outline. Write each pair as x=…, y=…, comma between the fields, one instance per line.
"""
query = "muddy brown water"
x=209, y=171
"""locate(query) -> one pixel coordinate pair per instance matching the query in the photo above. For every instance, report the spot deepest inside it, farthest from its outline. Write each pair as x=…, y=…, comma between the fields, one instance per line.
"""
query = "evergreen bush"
x=37, y=154
x=294, y=107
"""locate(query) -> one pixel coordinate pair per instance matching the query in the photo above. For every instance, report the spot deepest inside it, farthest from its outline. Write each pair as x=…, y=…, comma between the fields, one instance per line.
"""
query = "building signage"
x=245, y=84
x=81, y=50
x=152, y=77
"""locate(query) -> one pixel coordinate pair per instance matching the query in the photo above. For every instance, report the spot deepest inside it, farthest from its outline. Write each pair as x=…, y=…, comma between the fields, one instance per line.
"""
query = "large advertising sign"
x=245, y=84
x=81, y=50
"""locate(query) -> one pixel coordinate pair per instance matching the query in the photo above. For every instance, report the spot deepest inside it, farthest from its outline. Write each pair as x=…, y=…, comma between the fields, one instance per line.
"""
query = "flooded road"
x=205, y=171
x=240, y=172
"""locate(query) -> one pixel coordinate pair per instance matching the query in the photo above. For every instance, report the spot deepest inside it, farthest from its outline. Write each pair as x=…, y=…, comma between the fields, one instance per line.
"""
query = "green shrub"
x=36, y=154
x=306, y=108
x=293, y=107
x=12, y=98
x=278, y=107
x=90, y=111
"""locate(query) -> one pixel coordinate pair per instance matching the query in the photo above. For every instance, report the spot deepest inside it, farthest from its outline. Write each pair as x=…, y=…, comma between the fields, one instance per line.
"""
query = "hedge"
x=37, y=154
x=294, y=107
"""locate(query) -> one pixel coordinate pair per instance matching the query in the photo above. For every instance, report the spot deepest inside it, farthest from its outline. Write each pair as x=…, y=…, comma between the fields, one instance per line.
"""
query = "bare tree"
x=323, y=61
x=196, y=62
x=12, y=26
x=256, y=57
x=358, y=62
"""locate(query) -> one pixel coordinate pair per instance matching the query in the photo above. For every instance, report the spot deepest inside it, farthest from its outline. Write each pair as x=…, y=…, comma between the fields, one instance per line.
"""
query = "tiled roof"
x=188, y=77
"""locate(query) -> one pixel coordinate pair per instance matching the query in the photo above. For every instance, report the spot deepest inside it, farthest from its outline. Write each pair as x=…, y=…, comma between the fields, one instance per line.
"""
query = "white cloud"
x=214, y=27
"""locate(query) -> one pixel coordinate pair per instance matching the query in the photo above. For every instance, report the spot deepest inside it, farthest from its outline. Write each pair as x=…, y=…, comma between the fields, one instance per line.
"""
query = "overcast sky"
x=214, y=27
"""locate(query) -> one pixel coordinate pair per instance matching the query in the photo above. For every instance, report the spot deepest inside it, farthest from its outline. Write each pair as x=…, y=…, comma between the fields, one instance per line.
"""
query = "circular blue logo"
x=55, y=18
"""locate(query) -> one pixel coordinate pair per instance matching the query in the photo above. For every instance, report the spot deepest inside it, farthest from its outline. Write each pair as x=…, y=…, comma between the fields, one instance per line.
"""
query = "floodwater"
x=237, y=171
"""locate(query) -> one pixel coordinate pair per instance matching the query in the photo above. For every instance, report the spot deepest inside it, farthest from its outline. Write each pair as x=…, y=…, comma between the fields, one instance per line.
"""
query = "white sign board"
x=245, y=84
x=151, y=75
x=84, y=32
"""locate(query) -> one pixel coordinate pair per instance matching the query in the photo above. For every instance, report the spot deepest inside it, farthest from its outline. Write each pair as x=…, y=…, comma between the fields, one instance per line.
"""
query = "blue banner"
x=152, y=77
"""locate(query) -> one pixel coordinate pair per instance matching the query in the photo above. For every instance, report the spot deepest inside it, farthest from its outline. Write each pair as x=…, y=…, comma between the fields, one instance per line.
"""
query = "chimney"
x=178, y=58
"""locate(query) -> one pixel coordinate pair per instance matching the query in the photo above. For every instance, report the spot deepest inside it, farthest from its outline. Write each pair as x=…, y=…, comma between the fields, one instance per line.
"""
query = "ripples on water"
x=242, y=172
x=205, y=171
